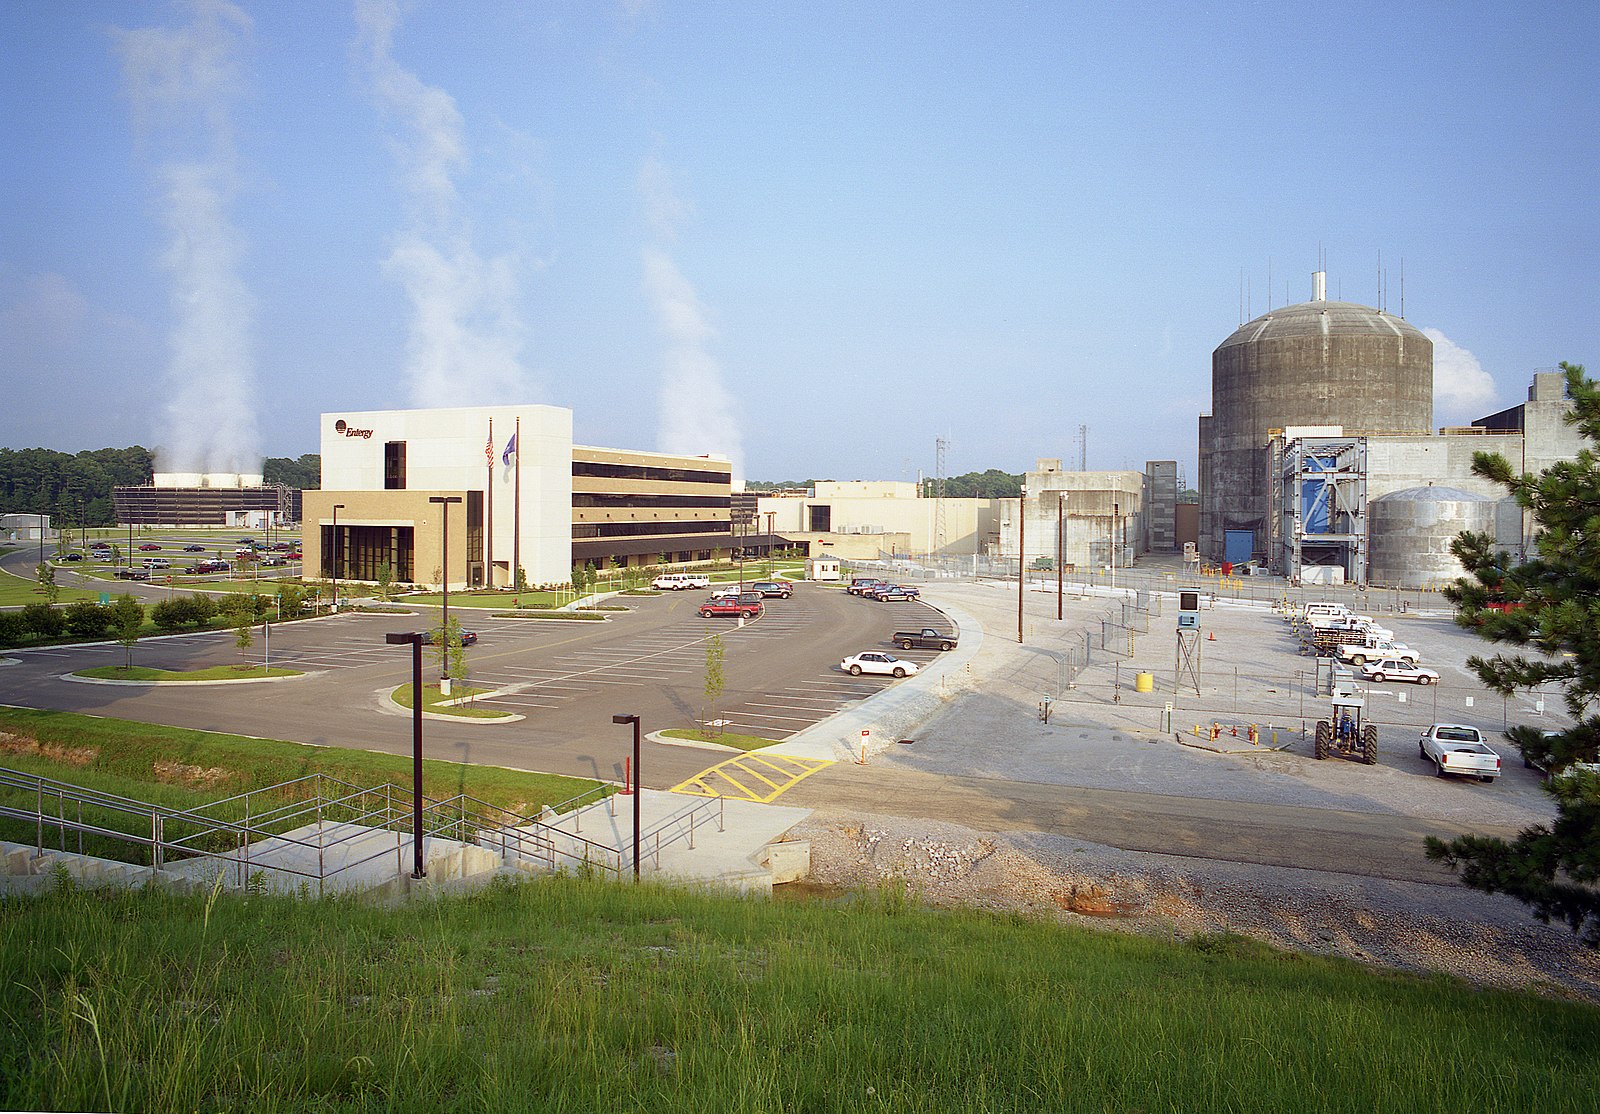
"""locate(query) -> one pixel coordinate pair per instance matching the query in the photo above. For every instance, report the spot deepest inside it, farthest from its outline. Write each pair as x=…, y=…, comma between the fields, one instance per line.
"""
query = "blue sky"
x=815, y=237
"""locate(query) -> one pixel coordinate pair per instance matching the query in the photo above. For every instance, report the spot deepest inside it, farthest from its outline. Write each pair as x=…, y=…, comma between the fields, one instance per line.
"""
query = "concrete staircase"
x=683, y=840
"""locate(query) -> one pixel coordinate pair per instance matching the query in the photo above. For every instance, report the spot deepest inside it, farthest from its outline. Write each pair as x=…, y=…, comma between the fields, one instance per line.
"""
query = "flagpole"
x=516, y=511
x=488, y=497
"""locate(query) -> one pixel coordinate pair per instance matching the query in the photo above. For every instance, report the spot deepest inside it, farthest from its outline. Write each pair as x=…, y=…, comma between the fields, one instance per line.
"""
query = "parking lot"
x=565, y=677
x=1104, y=734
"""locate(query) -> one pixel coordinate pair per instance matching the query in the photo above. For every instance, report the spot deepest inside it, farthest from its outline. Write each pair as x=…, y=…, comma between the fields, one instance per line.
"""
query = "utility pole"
x=1022, y=553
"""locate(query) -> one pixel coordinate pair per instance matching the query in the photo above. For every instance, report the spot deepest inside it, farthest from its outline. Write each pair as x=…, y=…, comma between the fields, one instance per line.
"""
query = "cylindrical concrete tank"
x=1409, y=534
x=1318, y=363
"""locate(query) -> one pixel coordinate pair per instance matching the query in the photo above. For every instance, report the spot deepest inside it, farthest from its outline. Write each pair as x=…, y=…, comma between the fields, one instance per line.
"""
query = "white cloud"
x=1462, y=390
x=698, y=413
x=466, y=335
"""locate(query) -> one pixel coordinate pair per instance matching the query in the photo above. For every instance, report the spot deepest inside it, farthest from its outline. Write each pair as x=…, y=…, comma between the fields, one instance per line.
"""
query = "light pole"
x=337, y=507
x=633, y=719
x=444, y=502
x=1022, y=553
x=1111, y=541
x=1061, y=521
x=414, y=640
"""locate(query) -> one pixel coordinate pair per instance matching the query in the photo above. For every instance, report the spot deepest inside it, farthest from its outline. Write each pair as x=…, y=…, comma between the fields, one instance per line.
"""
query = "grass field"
x=180, y=768
x=572, y=994
x=433, y=701
x=16, y=591
x=581, y=995
x=215, y=673
x=723, y=738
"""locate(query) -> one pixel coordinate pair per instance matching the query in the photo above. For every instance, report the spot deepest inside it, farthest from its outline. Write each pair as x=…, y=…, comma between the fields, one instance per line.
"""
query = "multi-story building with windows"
x=470, y=495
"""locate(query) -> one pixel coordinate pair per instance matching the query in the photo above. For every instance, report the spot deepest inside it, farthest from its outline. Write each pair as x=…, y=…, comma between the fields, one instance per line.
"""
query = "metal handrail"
x=704, y=805
x=470, y=818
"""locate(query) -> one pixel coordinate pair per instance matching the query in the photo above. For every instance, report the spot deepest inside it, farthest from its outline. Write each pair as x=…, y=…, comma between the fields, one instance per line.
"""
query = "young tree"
x=715, y=681
x=1549, y=603
x=244, y=629
x=127, y=620
x=385, y=581
x=449, y=653
x=47, y=581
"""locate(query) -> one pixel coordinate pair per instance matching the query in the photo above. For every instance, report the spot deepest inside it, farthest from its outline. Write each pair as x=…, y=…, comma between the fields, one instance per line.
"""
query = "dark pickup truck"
x=925, y=639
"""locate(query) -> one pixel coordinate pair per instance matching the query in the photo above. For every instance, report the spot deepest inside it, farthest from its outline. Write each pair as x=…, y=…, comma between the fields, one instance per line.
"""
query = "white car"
x=876, y=661
x=1398, y=669
x=677, y=581
x=1455, y=748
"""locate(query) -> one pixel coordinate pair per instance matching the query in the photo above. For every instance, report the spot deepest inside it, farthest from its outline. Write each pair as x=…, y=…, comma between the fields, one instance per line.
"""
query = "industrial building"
x=1090, y=520
x=206, y=499
x=468, y=496
x=1319, y=460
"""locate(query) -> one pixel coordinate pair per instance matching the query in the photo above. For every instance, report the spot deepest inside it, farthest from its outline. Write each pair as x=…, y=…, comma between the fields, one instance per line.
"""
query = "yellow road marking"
x=777, y=772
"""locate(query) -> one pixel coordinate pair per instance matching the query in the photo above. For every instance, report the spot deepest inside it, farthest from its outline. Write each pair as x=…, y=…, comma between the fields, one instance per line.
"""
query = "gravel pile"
x=1491, y=941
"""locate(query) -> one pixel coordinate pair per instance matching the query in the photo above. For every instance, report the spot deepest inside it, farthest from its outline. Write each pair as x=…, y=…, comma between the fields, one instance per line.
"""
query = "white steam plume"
x=1462, y=390
x=180, y=83
x=697, y=412
x=466, y=337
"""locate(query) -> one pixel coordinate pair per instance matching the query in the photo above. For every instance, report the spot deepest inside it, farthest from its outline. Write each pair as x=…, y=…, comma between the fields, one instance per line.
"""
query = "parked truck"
x=925, y=639
x=1372, y=649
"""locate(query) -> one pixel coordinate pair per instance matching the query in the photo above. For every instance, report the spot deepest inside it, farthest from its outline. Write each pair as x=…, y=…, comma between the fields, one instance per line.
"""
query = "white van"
x=677, y=581
x=1324, y=610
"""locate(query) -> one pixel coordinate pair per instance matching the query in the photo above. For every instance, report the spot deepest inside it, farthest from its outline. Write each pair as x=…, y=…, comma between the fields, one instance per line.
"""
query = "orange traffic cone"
x=1211, y=636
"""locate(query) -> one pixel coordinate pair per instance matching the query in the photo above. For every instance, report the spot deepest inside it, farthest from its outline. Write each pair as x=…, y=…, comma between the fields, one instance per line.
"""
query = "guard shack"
x=822, y=568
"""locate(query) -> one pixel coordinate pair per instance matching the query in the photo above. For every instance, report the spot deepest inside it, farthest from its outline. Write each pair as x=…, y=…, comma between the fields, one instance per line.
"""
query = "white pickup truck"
x=1455, y=748
x=1359, y=653
x=1359, y=626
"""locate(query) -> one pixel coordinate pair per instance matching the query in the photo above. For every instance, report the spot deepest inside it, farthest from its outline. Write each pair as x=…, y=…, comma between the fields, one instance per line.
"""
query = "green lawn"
x=215, y=673
x=433, y=701
x=580, y=995
x=724, y=738
x=16, y=591
x=137, y=760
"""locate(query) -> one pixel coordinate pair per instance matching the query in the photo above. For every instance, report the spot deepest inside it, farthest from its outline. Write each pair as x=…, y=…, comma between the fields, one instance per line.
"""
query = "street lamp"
x=444, y=575
x=337, y=507
x=414, y=640
x=1061, y=522
x=633, y=719
x=1022, y=553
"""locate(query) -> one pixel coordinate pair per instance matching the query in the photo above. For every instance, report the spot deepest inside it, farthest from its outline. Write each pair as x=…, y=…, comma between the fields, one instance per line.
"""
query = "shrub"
x=172, y=613
x=86, y=619
x=12, y=629
x=43, y=619
x=201, y=608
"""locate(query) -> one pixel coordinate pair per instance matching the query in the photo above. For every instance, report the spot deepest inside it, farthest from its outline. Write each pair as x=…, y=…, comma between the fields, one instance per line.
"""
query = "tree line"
x=75, y=488
x=992, y=484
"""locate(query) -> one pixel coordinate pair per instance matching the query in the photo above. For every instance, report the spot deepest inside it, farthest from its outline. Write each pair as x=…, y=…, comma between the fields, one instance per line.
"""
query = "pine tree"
x=1549, y=604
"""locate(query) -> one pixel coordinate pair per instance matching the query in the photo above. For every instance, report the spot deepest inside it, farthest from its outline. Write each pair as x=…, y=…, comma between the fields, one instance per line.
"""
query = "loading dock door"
x=1238, y=546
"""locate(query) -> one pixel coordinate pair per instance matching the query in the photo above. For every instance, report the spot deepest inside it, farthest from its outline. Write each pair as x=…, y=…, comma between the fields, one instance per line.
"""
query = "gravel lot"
x=1104, y=735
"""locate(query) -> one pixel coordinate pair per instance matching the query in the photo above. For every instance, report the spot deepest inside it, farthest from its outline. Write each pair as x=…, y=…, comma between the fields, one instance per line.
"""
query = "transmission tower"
x=1083, y=448
x=939, y=446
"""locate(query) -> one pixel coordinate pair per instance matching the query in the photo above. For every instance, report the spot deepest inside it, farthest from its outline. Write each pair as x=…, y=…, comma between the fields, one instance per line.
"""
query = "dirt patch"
x=195, y=777
x=1409, y=926
x=55, y=752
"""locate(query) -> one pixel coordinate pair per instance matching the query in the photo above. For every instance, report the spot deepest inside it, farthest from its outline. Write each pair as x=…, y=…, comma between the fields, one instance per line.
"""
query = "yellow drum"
x=1144, y=682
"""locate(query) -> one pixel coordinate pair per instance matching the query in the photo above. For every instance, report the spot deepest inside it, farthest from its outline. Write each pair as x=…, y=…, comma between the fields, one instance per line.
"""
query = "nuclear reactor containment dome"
x=1411, y=531
x=1318, y=363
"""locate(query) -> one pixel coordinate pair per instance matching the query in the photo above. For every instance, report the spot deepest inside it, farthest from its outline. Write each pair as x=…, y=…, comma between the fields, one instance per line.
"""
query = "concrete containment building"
x=1318, y=364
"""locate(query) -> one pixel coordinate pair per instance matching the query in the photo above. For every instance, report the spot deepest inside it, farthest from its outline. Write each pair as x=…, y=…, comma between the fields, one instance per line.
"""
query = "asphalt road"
x=568, y=678
x=1340, y=840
